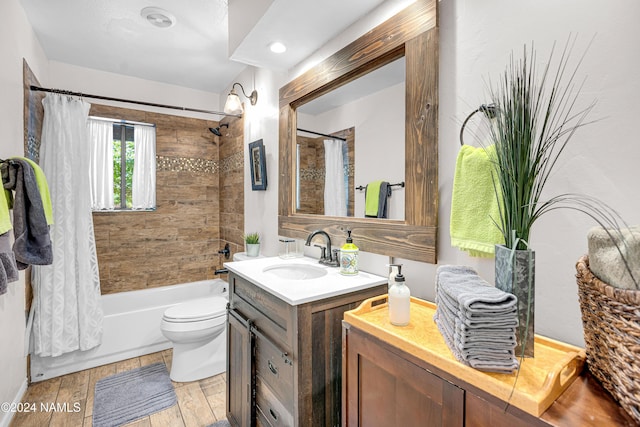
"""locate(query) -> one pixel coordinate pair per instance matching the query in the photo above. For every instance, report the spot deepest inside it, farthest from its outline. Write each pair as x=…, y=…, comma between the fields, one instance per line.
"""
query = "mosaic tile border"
x=233, y=162
x=198, y=165
x=33, y=148
x=311, y=174
x=186, y=164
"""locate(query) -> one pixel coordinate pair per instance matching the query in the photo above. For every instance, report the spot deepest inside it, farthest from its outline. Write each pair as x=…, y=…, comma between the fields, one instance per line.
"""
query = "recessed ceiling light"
x=158, y=17
x=277, y=47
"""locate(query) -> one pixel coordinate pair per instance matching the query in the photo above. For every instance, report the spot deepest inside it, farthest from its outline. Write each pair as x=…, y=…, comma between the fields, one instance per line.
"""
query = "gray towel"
x=486, y=361
x=8, y=267
x=500, y=341
x=507, y=317
x=477, y=321
x=445, y=329
x=489, y=347
x=32, y=241
x=605, y=261
x=451, y=268
x=383, y=201
x=473, y=333
x=486, y=337
x=474, y=295
x=501, y=367
x=487, y=352
x=455, y=269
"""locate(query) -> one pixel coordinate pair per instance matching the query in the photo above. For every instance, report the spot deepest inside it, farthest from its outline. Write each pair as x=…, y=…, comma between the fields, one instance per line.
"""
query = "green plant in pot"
x=252, y=244
x=536, y=117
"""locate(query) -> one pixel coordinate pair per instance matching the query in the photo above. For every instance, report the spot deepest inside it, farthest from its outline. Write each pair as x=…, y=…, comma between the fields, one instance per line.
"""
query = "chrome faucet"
x=327, y=257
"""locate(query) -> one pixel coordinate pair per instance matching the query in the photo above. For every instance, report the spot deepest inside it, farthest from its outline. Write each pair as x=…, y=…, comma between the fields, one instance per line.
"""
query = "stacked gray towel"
x=477, y=320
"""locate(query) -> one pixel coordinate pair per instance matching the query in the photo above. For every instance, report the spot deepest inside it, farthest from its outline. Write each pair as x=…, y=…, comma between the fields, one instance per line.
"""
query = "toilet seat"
x=197, y=310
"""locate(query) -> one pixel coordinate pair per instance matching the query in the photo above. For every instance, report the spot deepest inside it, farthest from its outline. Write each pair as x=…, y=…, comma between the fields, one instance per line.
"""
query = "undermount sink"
x=296, y=271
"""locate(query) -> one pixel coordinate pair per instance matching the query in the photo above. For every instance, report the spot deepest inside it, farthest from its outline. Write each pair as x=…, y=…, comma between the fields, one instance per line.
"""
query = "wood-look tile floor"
x=200, y=403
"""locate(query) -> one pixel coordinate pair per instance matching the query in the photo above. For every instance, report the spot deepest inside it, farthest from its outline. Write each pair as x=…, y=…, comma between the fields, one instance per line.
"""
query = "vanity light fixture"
x=233, y=104
x=158, y=17
x=277, y=47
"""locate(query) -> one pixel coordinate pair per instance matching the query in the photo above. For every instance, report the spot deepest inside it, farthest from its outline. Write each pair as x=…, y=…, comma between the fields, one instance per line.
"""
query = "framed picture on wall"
x=258, y=165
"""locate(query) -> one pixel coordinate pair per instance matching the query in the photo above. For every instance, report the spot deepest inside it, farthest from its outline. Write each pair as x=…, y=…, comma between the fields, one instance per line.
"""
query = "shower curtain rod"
x=128, y=101
x=321, y=134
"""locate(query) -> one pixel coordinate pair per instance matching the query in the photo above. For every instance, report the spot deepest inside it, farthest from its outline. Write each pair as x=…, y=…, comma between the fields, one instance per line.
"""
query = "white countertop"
x=297, y=292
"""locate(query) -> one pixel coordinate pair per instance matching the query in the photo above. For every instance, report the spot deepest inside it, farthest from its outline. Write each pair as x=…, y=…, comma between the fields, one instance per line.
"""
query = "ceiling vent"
x=158, y=17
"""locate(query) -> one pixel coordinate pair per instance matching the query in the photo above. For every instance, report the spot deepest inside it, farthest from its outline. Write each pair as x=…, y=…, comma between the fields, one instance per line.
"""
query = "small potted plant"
x=252, y=243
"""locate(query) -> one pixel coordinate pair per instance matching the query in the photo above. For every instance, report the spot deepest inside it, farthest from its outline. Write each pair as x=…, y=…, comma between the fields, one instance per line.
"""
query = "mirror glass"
x=351, y=138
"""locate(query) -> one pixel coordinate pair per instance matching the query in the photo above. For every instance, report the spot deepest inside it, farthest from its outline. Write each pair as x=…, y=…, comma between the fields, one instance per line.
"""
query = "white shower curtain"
x=143, y=192
x=67, y=311
x=101, y=163
x=334, y=193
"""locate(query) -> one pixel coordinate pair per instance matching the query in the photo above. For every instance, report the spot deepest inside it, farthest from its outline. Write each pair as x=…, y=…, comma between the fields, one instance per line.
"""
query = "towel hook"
x=490, y=111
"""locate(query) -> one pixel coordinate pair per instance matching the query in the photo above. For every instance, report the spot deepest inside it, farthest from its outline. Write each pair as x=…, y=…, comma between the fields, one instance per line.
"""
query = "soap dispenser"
x=399, y=301
x=349, y=257
x=394, y=269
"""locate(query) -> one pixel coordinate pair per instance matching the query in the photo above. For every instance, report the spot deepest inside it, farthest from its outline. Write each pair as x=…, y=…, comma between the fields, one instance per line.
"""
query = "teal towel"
x=474, y=206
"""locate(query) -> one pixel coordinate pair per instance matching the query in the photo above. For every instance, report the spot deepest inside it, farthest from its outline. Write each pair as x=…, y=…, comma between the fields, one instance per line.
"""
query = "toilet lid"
x=200, y=309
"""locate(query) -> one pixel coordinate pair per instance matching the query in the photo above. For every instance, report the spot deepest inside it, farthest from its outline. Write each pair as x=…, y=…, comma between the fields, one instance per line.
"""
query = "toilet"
x=197, y=330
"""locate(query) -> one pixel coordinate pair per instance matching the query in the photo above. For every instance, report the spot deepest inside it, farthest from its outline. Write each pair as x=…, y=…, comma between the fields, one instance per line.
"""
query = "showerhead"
x=216, y=131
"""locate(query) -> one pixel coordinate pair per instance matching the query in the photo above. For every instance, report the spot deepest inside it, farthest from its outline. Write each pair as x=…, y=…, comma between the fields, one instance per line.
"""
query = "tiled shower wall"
x=179, y=241
x=232, y=184
x=199, y=183
x=312, y=172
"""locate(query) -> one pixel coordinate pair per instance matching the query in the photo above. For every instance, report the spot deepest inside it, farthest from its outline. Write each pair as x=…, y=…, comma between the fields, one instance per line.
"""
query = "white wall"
x=378, y=119
x=261, y=122
x=94, y=82
x=18, y=42
x=476, y=39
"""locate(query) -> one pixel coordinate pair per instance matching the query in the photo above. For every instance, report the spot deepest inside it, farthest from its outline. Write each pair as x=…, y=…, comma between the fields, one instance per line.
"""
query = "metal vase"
x=515, y=273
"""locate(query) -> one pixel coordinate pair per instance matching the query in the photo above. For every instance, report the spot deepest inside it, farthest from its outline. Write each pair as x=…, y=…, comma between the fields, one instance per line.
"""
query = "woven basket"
x=611, y=322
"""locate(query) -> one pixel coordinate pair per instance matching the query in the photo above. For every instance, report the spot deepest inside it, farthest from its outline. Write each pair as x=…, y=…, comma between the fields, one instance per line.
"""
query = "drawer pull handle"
x=273, y=414
x=272, y=368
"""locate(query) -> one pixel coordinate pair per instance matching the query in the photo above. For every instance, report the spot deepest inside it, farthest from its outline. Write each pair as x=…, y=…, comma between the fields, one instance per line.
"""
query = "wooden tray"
x=540, y=381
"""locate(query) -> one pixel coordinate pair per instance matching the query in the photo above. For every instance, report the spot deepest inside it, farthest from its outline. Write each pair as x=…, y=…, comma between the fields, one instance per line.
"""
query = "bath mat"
x=130, y=395
x=221, y=423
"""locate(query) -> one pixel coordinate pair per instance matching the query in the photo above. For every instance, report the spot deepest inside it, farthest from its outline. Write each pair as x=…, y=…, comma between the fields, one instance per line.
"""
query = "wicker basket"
x=611, y=321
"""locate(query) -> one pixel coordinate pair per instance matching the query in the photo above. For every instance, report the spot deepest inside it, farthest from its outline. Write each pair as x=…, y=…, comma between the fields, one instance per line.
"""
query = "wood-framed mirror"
x=412, y=34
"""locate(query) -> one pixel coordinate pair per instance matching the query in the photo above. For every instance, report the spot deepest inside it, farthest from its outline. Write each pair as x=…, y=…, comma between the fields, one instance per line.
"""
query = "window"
x=123, y=165
x=123, y=150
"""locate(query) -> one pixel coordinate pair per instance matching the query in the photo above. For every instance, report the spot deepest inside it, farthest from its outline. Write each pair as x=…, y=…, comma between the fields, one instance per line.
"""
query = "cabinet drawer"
x=272, y=316
x=261, y=419
x=275, y=369
x=274, y=411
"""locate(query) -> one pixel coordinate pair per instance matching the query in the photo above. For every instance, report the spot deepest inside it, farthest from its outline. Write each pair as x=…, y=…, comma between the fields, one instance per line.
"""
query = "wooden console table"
x=386, y=381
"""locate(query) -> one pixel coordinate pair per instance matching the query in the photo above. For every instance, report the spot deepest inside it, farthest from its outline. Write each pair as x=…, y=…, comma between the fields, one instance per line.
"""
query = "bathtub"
x=131, y=327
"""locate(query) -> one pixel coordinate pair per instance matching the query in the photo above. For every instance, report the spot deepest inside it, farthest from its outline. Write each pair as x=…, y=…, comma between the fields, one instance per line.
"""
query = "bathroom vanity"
x=284, y=349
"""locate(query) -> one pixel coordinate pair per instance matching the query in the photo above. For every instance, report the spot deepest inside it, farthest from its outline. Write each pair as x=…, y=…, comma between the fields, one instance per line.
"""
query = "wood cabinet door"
x=384, y=389
x=240, y=387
